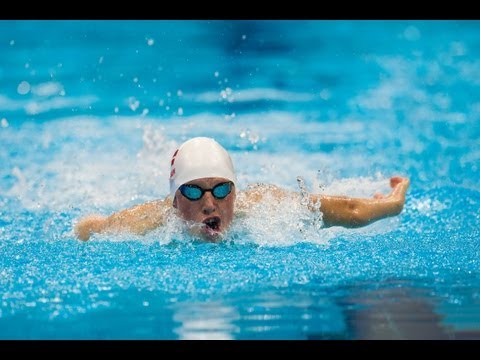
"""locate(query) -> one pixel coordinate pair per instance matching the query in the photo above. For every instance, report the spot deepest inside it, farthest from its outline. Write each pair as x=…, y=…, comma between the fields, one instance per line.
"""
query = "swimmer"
x=203, y=192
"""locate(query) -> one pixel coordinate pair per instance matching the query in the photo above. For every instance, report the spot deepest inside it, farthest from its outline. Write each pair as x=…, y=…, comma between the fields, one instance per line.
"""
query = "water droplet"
x=133, y=103
x=23, y=88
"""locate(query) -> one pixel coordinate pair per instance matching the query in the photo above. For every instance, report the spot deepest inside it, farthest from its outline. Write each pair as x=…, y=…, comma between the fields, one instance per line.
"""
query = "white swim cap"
x=200, y=157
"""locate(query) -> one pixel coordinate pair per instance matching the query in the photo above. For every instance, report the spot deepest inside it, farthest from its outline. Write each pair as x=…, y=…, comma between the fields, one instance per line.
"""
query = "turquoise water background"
x=91, y=111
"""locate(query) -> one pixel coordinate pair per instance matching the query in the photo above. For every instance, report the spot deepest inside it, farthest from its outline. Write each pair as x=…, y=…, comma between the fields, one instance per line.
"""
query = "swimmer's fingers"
x=398, y=180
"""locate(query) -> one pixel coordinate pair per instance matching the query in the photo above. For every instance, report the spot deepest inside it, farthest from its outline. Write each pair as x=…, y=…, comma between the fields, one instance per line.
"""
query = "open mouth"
x=212, y=223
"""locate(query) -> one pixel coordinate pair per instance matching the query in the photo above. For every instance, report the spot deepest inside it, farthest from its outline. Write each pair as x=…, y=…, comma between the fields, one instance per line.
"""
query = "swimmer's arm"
x=139, y=220
x=357, y=212
x=339, y=210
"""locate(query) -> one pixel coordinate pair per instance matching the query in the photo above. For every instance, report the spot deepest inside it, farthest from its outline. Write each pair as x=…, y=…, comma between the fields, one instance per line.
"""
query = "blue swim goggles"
x=195, y=192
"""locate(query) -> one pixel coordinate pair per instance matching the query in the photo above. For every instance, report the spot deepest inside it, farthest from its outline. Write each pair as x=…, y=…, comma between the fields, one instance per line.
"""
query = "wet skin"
x=207, y=217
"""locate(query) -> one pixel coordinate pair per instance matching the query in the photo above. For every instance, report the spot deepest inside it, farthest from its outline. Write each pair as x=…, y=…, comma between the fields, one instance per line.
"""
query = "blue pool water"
x=90, y=112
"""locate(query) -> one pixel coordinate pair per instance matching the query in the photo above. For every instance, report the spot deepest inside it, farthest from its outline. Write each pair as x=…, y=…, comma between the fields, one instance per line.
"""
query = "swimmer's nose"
x=208, y=205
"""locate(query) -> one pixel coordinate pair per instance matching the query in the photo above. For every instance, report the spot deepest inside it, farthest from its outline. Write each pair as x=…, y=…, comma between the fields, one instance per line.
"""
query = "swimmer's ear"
x=175, y=202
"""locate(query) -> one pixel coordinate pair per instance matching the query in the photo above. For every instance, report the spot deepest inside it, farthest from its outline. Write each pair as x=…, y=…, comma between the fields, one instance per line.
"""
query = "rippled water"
x=90, y=113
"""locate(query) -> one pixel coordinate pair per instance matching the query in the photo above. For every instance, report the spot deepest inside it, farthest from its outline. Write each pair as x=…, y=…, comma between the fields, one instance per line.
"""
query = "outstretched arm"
x=137, y=220
x=339, y=210
x=356, y=212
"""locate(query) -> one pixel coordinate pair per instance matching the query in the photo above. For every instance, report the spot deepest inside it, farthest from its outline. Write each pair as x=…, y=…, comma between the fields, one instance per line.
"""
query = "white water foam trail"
x=92, y=165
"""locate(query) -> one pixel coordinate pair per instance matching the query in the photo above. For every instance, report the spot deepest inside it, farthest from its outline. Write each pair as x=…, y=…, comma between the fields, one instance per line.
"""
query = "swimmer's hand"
x=89, y=225
x=397, y=195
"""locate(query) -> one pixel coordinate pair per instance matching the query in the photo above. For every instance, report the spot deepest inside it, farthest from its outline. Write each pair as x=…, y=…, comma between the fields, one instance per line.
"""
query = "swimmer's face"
x=208, y=216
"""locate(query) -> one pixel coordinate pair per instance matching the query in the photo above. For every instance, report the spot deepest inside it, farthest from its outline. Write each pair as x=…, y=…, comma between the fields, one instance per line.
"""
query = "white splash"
x=42, y=105
x=427, y=206
x=254, y=94
x=38, y=107
x=108, y=164
x=47, y=89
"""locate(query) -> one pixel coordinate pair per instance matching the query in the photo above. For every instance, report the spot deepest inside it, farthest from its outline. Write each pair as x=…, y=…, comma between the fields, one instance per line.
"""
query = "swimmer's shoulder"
x=152, y=209
x=157, y=203
x=255, y=193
